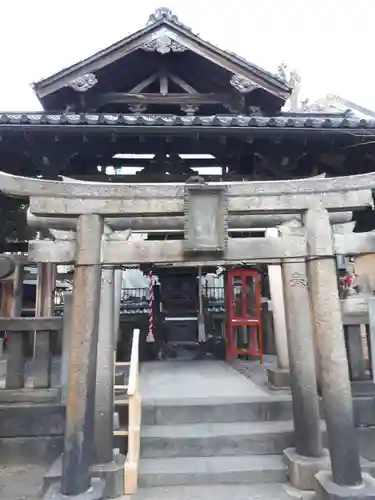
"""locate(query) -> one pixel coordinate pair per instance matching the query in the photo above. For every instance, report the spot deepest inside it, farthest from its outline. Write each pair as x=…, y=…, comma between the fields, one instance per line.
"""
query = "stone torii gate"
x=305, y=247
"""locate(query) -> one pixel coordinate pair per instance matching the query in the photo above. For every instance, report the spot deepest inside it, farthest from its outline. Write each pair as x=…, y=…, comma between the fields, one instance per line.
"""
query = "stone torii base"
x=95, y=492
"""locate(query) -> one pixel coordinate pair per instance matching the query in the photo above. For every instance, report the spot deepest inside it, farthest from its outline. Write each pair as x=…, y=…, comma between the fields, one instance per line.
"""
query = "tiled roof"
x=220, y=121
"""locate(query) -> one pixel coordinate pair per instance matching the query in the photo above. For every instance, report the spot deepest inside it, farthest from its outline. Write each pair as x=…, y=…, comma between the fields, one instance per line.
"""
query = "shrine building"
x=166, y=111
x=164, y=105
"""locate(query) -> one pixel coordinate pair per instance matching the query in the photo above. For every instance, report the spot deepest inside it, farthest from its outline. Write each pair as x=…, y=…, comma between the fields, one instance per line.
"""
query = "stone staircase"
x=187, y=443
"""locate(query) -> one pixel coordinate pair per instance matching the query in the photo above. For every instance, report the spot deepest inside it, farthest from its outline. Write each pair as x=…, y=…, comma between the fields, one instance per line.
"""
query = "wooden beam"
x=226, y=61
x=135, y=162
x=52, y=323
x=163, y=84
x=143, y=84
x=170, y=99
x=181, y=83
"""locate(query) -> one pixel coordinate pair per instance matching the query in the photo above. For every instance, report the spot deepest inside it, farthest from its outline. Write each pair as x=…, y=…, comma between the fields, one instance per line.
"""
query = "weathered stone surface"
x=176, y=222
x=327, y=489
x=301, y=348
x=354, y=349
x=79, y=429
x=26, y=420
x=38, y=450
x=115, y=252
x=278, y=378
x=26, y=186
x=118, y=252
x=275, y=281
x=105, y=370
x=265, y=204
x=111, y=473
x=337, y=398
x=302, y=470
x=94, y=492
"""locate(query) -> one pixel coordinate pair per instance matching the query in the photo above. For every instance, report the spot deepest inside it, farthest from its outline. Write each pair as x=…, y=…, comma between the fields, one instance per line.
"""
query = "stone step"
x=216, y=439
x=278, y=408
x=272, y=491
x=179, y=471
x=185, y=411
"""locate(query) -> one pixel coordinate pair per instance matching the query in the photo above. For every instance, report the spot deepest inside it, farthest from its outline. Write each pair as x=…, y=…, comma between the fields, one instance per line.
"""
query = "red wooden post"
x=243, y=310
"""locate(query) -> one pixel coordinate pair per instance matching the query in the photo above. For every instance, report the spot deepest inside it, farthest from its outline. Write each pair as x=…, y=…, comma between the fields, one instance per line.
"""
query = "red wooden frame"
x=243, y=309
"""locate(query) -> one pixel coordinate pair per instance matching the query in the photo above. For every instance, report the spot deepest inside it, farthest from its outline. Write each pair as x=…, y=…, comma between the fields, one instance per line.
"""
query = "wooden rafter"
x=135, y=162
x=163, y=80
x=174, y=99
x=143, y=84
x=181, y=83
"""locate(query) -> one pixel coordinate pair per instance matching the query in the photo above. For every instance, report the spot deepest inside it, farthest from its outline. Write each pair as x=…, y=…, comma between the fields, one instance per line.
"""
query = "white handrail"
x=134, y=364
x=134, y=426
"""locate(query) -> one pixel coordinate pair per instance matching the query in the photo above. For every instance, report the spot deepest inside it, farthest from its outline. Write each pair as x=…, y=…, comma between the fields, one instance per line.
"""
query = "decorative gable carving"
x=165, y=14
x=83, y=83
x=163, y=43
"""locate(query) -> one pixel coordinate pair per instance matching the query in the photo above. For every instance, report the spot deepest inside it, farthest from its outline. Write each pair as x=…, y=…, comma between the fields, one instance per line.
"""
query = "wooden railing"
x=134, y=426
x=42, y=329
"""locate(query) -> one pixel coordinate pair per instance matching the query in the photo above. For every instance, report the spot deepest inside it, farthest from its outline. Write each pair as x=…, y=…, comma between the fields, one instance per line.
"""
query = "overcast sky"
x=330, y=42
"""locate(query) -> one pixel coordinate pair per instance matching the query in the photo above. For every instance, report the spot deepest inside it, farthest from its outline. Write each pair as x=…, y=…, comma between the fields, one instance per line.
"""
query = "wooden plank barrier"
x=15, y=378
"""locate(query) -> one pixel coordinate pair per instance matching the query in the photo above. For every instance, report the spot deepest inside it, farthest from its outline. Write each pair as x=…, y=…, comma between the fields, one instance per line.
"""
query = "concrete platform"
x=196, y=380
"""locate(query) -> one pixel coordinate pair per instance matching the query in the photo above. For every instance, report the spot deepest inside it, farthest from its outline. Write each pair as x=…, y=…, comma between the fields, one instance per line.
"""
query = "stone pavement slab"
x=21, y=482
x=274, y=491
x=196, y=380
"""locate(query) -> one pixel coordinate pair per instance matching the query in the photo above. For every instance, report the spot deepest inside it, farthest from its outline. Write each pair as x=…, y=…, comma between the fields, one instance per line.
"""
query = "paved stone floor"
x=161, y=380
x=273, y=491
x=21, y=482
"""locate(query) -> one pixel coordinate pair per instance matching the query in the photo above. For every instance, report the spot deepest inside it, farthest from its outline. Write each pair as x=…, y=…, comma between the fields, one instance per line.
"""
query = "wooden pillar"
x=44, y=305
x=13, y=296
x=66, y=344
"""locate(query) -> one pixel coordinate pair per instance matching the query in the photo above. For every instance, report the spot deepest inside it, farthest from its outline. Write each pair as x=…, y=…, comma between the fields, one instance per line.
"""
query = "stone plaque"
x=206, y=218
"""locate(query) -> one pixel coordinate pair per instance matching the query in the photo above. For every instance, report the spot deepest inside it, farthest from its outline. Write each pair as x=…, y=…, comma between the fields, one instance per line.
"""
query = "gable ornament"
x=242, y=84
x=163, y=43
x=83, y=83
x=165, y=14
